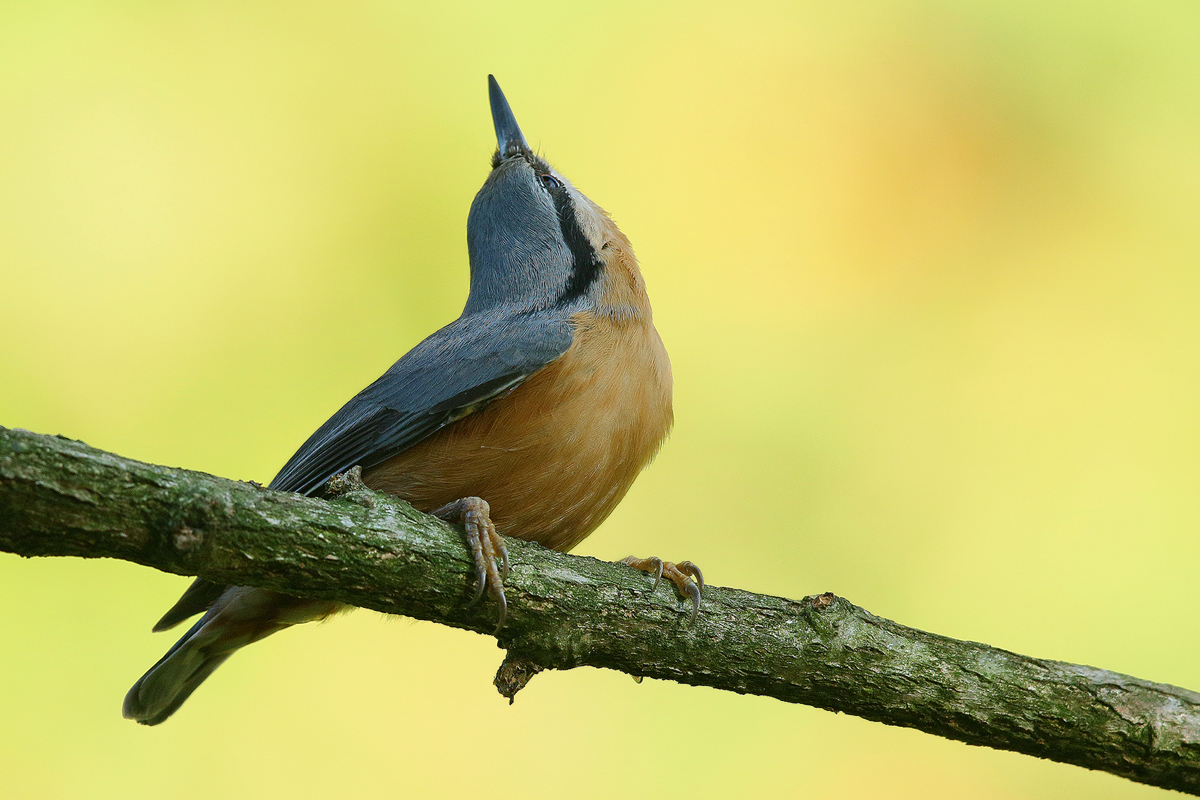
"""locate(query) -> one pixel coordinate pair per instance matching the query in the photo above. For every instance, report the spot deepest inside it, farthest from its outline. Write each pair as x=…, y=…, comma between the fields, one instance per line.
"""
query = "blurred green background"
x=928, y=274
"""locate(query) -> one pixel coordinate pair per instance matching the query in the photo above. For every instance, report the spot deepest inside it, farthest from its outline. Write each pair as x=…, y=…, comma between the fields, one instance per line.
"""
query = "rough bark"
x=63, y=498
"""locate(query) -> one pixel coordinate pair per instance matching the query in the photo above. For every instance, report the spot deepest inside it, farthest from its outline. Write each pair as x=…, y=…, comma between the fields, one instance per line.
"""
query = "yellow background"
x=928, y=272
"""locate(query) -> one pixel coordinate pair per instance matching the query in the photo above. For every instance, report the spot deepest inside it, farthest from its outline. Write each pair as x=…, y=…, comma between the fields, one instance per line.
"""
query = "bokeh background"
x=928, y=273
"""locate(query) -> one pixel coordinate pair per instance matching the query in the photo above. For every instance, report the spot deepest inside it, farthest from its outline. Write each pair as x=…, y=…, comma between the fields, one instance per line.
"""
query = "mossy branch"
x=62, y=498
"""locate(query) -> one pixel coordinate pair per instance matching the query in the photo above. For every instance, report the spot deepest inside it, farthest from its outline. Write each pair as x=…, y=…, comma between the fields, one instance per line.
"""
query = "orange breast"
x=556, y=455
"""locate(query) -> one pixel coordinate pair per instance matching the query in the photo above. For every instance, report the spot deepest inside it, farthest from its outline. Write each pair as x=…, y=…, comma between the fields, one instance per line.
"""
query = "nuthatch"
x=529, y=415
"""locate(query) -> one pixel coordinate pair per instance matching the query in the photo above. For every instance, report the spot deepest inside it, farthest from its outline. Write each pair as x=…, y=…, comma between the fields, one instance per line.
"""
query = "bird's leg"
x=680, y=574
x=475, y=515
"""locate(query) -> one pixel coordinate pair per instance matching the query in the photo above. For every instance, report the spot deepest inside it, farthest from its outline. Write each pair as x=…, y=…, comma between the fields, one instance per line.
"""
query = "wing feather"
x=451, y=374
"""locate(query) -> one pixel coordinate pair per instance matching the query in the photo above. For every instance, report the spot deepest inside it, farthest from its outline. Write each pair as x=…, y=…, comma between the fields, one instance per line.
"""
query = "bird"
x=530, y=415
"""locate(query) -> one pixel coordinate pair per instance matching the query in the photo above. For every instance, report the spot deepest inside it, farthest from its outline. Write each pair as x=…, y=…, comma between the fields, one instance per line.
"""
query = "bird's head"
x=535, y=241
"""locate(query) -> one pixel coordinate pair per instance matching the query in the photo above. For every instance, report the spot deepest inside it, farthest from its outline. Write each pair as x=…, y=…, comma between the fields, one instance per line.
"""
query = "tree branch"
x=62, y=498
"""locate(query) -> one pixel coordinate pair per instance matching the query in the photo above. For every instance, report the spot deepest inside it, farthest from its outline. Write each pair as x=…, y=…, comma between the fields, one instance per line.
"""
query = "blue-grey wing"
x=454, y=372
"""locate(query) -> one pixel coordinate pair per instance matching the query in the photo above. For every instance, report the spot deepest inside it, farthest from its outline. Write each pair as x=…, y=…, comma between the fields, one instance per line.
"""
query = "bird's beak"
x=508, y=134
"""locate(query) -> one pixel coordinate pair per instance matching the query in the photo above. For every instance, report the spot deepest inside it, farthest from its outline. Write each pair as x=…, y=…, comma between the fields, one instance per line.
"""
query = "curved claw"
x=653, y=565
x=486, y=546
x=686, y=576
x=501, y=601
x=480, y=582
x=693, y=591
x=689, y=568
x=657, y=564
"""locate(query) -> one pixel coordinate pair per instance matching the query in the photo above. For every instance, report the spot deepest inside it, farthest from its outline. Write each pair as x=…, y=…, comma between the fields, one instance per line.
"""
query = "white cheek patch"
x=591, y=219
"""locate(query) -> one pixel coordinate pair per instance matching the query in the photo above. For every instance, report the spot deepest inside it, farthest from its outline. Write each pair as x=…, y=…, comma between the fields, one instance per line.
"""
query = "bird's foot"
x=680, y=574
x=486, y=545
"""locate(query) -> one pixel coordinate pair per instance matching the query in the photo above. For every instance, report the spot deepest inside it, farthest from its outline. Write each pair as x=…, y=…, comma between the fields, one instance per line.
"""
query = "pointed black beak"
x=508, y=134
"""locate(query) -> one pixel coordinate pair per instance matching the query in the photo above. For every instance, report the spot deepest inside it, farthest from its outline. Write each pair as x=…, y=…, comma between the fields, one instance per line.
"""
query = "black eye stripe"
x=586, y=262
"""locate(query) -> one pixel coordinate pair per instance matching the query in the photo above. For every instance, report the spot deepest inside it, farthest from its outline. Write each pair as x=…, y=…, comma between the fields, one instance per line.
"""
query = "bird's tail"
x=165, y=686
x=239, y=616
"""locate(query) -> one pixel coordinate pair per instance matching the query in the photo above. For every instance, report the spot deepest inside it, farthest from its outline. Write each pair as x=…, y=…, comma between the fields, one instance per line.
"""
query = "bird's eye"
x=551, y=182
